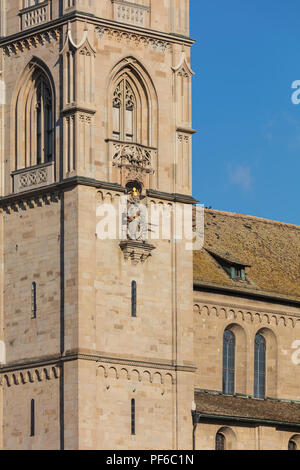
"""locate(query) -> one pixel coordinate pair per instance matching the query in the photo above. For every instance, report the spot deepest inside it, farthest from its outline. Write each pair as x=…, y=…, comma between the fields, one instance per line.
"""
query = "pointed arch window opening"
x=220, y=441
x=228, y=363
x=292, y=445
x=44, y=123
x=260, y=367
x=35, y=123
x=124, y=112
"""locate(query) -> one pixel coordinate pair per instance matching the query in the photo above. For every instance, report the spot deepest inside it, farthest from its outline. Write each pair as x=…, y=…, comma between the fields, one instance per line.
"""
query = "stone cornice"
x=72, y=109
x=56, y=25
x=185, y=130
x=30, y=41
x=71, y=356
x=257, y=307
x=173, y=197
x=69, y=183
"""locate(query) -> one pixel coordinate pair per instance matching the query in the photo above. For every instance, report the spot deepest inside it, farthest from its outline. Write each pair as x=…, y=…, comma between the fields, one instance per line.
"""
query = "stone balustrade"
x=33, y=177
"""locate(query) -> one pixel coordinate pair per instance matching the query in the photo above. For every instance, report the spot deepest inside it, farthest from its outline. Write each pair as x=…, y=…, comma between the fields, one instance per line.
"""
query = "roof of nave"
x=269, y=250
x=227, y=406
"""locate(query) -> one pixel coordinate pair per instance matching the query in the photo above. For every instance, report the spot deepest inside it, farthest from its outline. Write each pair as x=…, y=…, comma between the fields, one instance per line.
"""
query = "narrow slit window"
x=133, y=298
x=133, y=417
x=33, y=300
x=32, y=418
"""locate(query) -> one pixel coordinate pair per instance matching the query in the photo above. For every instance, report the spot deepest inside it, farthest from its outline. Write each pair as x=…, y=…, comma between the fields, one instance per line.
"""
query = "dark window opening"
x=32, y=418
x=228, y=362
x=237, y=273
x=133, y=298
x=133, y=417
x=259, y=367
x=44, y=123
x=220, y=441
x=292, y=445
x=33, y=300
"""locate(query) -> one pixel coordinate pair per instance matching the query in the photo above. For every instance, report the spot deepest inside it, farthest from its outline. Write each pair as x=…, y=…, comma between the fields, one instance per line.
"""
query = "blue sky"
x=246, y=155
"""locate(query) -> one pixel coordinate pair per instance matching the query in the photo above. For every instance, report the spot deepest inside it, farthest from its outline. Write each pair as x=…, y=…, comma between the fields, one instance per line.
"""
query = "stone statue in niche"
x=136, y=218
x=135, y=246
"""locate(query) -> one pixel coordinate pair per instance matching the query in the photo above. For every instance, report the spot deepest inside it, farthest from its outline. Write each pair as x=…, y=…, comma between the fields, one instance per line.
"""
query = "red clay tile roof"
x=270, y=249
x=247, y=408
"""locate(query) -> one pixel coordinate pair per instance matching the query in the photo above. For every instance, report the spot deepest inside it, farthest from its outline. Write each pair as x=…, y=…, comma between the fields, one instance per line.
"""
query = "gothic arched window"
x=228, y=362
x=220, y=441
x=44, y=122
x=35, y=119
x=259, y=366
x=124, y=112
x=292, y=445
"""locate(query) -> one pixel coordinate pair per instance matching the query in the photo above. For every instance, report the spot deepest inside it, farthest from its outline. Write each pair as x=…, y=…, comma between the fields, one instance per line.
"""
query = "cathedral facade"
x=129, y=341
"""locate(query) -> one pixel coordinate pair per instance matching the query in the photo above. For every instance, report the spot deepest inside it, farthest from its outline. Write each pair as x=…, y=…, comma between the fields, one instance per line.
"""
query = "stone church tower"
x=95, y=105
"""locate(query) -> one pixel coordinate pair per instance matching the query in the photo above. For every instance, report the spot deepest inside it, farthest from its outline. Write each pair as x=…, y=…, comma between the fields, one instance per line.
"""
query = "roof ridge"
x=253, y=217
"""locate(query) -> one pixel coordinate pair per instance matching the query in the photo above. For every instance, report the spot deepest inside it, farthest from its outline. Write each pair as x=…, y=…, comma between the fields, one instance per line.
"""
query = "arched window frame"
x=260, y=351
x=43, y=114
x=228, y=377
x=146, y=116
x=292, y=445
x=125, y=110
x=30, y=111
x=226, y=438
x=294, y=442
x=220, y=441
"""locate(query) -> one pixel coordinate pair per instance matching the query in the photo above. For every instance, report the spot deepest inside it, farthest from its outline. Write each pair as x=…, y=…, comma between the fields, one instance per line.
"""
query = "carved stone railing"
x=35, y=15
x=131, y=161
x=33, y=177
x=132, y=13
x=131, y=154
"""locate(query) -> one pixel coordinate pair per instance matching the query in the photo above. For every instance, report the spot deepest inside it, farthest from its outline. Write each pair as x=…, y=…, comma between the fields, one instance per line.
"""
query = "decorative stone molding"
x=118, y=371
x=124, y=154
x=36, y=177
x=32, y=41
x=35, y=15
x=183, y=138
x=183, y=69
x=136, y=39
x=30, y=376
x=30, y=203
x=131, y=13
x=136, y=251
x=238, y=314
x=84, y=46
x=133, y=161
